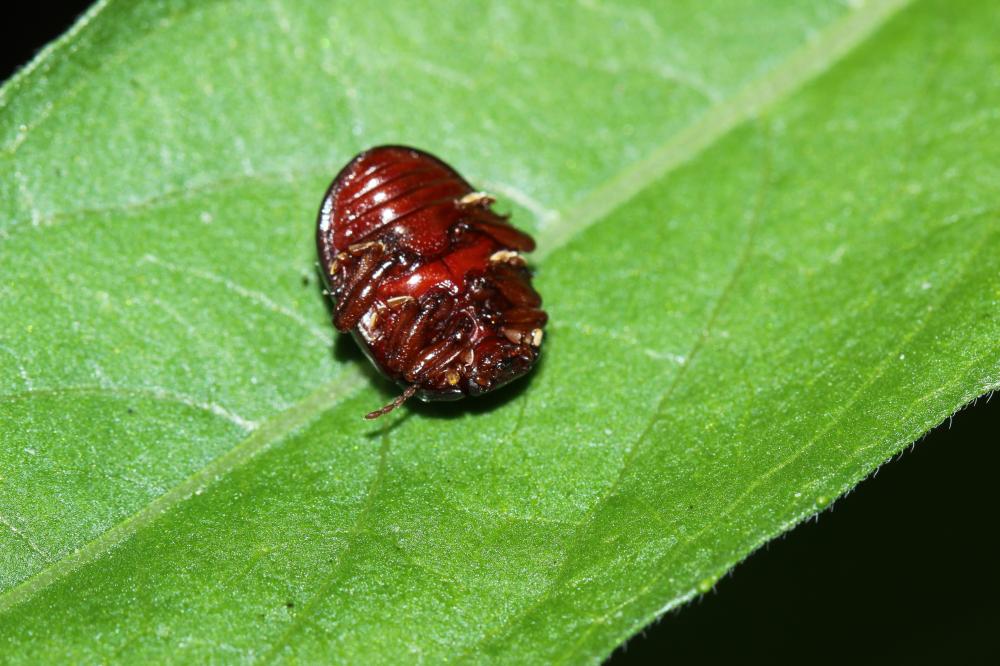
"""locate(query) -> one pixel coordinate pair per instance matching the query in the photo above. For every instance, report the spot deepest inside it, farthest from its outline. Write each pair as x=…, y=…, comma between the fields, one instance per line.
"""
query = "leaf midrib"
x=801, y=67
x=274, y=430
x=836, y=419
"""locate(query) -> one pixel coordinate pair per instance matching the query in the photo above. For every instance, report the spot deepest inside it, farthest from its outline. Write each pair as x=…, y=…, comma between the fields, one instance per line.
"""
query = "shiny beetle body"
x=428, y=279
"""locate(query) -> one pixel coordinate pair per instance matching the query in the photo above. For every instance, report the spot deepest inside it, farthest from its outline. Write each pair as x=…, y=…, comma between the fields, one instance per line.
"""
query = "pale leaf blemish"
x=673, y=357
x=23, y=536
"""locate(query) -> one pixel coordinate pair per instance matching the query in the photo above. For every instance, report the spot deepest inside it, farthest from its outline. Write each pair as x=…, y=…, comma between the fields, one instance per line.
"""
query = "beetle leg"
x=513, y=283
x=523, y=336
x=432, y=359
x=506, y=257
x=396, y=402
x=358, y=300
x=365, y=264
x=408, y=310
x=481, y=199
x=432, y=309
x=352, y=299
x=525, y=317
x=500, y=230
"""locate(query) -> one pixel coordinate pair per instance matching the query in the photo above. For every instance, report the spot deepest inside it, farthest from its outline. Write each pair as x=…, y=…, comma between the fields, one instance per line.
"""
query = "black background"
x=902, y=569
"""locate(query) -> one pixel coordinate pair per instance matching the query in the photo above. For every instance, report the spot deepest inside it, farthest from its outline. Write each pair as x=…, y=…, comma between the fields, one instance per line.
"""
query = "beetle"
x=428, y=279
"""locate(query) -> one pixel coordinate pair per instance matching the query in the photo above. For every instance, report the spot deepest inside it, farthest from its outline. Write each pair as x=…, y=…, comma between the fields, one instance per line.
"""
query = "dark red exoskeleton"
x=428, y=279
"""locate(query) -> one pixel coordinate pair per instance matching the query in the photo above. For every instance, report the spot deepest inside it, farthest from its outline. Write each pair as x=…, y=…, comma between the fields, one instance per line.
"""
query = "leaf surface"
x=767, y=245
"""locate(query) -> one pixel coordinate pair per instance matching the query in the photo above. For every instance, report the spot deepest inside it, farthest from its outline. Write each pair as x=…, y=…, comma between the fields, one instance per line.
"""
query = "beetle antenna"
x=399, y=400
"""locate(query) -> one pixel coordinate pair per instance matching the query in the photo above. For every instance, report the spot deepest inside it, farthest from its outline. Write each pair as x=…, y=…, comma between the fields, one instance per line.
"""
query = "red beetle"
x=428, y=279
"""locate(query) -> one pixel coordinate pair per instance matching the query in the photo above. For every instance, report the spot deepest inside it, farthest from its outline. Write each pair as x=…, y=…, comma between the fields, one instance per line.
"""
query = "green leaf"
x=767, y=245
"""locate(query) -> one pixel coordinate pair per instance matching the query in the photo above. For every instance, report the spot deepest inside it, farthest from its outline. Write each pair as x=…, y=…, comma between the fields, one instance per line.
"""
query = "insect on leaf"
x=766, y=240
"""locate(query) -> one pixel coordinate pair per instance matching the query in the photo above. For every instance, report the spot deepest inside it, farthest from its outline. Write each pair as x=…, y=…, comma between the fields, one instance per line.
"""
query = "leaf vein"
x=718, y=518
x=12, y=147
x=253, y=295
x=758, y=95
x=155, y=392
x=270, y=432
x=352, y=539
x=713, y=312
x=23, y=537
